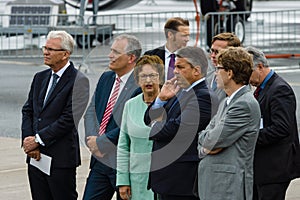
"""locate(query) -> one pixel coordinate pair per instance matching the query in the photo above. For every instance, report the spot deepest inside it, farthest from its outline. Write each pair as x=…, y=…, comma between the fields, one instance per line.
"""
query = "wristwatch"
x=152, y=123
x=36, y=140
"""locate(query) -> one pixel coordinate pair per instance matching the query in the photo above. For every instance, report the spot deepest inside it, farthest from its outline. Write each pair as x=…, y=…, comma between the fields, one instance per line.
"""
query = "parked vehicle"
x=38, y=17
x=226, y=23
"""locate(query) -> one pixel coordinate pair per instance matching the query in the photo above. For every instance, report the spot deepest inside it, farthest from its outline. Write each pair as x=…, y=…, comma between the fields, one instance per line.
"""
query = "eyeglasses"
x=214, y=51
x=217, y=68
x=144, y=77
x=44, y=48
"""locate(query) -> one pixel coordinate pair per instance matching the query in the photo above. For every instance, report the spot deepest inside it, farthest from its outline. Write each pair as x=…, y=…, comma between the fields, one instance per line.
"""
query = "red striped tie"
x=109, y=107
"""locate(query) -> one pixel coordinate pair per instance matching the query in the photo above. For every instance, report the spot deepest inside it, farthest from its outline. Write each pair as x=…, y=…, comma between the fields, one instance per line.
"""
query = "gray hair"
x=133, y=45
x=195, y=56
x=258, y=56
x=67, y=41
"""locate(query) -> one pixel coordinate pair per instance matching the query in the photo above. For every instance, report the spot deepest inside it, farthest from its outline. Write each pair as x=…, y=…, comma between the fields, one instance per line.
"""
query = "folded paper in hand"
x=44, y=164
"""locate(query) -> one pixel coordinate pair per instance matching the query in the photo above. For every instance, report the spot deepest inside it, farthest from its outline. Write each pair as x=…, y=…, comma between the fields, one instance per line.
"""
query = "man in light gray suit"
x=227, y=144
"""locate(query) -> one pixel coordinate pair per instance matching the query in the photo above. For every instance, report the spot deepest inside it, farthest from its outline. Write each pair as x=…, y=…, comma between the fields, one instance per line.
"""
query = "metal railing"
x=271, y=31
x=23, y=35
x=148, y=27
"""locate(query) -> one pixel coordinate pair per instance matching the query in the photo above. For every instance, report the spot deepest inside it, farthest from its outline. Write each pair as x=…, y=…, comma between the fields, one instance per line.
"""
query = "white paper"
x=44, y=164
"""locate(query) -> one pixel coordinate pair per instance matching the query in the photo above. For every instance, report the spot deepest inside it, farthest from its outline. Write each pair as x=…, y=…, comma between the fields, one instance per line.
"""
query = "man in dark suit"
x=56, y=101
x=175, y=121
x=277, y=143
x=102, y=129
x=177, y=33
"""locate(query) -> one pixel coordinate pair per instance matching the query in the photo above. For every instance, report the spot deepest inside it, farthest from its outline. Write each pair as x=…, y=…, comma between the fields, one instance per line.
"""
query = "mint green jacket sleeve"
x=123, y=163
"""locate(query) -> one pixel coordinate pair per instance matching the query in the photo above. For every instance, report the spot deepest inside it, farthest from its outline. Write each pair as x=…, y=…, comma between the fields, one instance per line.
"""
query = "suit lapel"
x=43, y=89
x=240, y=93
x=64, y=79
x=266, y=88
x=110, y=84
x=185, y=95
x=102, y=93
x=124, y=93
x=173, y=103
x=162, y=53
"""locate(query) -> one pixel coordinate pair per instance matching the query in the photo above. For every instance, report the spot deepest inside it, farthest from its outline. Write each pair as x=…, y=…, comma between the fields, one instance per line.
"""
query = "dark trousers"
x=101, y=183
x=60, y=185
x=270, y=191
x=175, y=197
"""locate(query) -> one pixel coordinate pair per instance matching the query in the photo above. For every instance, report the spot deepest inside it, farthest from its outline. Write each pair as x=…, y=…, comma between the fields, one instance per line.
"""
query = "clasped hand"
x=125, y=192
x=213, y=151
x=30, y=147
x=92, y=145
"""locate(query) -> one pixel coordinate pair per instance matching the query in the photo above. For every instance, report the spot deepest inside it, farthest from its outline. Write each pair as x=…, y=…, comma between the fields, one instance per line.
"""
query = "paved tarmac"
x=14, y=182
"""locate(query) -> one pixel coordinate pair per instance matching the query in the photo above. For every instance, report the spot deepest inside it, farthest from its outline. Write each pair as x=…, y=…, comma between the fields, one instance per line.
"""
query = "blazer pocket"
x=223, y=179
x=223, y=168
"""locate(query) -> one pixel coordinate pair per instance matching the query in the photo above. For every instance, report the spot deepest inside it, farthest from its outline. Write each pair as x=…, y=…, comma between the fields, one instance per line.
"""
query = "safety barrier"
x=23, y=35
x=275, y=32
x=148, y=27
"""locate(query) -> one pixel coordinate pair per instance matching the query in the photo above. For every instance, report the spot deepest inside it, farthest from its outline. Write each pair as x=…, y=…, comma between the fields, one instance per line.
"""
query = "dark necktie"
x=109, y=107
x=54, y=82
x=179, y=96
x=256, y=92
x=171, y=66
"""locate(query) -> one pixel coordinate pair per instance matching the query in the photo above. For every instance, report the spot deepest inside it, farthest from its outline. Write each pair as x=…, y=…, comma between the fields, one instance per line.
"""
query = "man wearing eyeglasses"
x=220, y=41
x=103, y=117
x=57, y=99
x=183, y=107
x=227, y=144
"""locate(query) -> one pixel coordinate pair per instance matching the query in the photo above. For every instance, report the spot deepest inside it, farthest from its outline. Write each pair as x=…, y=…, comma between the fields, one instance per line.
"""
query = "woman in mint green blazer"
x=134, y=147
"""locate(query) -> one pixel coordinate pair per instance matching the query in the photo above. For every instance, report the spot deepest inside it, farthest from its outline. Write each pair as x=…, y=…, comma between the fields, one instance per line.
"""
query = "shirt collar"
x=125, y=77
x=62, y=70
x=193, y=84
x=228, y=100
x=168, y=53
x=262, y=86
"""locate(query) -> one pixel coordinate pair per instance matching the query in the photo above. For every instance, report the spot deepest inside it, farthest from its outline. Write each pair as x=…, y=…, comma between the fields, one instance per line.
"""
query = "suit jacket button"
x=39, y=119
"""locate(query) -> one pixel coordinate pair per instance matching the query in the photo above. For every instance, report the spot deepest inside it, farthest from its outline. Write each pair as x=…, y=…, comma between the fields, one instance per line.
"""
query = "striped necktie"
x=109, y=107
